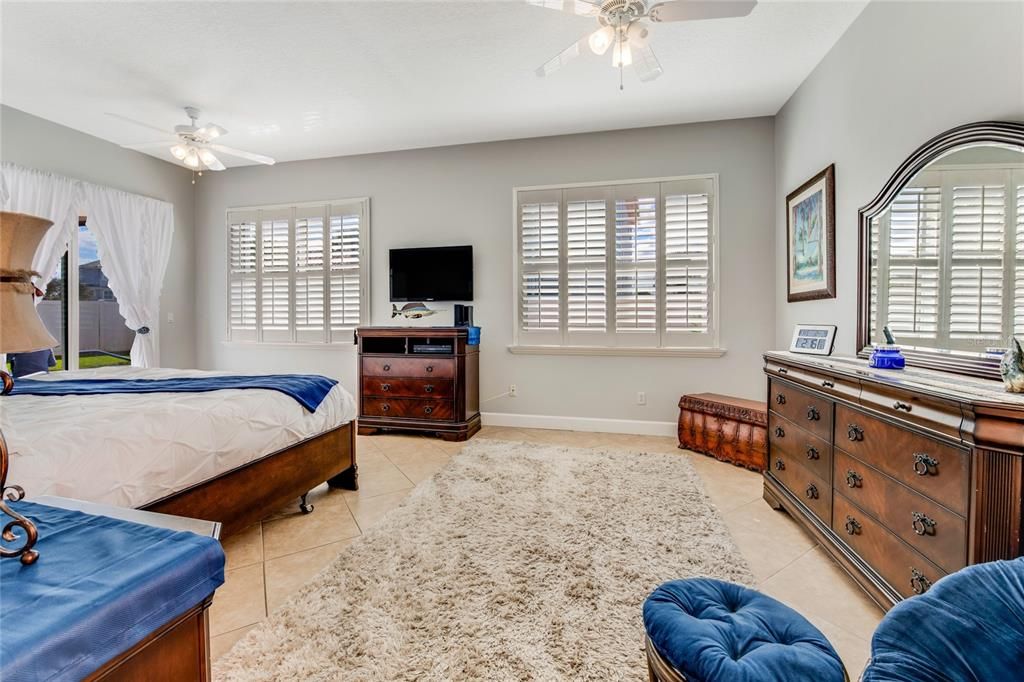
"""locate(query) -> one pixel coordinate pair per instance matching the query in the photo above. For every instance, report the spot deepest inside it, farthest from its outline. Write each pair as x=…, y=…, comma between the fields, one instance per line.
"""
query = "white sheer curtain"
x=49, y=196
x=134, y=236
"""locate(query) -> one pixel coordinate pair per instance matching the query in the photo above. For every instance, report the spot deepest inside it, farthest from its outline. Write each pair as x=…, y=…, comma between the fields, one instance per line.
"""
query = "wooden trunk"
x=726, y=428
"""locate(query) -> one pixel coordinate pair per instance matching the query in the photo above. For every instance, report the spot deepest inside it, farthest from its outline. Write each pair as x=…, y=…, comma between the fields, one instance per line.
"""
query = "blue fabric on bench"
x=100, y=586
x=308, y=390
x=969, y=627
x=715, y=631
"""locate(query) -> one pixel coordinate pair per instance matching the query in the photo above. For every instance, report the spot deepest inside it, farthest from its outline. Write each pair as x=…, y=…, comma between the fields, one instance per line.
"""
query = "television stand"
x=424, y=379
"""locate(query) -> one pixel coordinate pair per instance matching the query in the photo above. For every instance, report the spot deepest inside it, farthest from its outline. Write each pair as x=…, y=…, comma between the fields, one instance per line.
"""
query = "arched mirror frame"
x=986, y=132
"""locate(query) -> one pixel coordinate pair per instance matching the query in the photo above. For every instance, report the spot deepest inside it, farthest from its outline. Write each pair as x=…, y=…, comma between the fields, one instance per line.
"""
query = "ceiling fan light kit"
x=194, y=145
x=622, y=29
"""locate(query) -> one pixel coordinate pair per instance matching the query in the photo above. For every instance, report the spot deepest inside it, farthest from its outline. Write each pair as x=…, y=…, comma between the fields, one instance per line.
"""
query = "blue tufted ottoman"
x=703, y=630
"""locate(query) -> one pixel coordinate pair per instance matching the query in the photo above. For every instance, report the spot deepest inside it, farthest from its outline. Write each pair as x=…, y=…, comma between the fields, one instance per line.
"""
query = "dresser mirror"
x=942, y=251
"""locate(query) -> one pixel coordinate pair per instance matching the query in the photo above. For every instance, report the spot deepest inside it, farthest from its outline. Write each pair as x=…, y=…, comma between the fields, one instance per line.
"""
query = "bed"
x=233, y=456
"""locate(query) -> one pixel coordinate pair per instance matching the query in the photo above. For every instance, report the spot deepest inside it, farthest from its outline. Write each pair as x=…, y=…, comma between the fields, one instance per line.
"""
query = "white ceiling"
x=308, y=80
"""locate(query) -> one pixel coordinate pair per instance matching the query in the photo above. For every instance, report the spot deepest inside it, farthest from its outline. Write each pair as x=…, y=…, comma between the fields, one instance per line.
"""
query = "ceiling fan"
x=194, y=145
x=623, y=29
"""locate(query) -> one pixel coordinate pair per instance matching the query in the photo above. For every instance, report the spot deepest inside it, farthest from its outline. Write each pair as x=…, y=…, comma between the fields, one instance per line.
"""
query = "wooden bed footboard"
x=252, y=492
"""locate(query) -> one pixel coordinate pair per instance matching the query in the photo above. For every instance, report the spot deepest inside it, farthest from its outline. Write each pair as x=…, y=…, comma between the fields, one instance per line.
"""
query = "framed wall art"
x=811, y=239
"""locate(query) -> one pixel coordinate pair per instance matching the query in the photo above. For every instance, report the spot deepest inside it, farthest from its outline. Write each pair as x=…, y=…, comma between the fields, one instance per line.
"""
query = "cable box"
x=431, y=348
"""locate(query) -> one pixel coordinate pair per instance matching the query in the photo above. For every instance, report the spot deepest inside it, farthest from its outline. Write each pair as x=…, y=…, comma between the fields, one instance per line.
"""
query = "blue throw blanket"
x=309, y=390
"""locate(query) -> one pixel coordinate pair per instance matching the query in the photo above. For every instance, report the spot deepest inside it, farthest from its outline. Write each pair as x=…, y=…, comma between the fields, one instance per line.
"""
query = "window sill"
x=297, y=345
x=627, y=351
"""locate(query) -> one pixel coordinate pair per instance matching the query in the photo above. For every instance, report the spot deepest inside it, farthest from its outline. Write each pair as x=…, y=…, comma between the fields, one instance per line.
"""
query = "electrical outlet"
x=641, y=398
x=512, y=390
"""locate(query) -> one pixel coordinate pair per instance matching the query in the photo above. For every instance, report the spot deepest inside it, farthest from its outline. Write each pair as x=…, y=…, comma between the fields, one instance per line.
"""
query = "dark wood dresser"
x=419, y=379
x=904, y=476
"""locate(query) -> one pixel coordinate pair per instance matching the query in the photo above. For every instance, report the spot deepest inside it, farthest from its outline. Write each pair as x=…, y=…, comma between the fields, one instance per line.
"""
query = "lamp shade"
x=21, y=329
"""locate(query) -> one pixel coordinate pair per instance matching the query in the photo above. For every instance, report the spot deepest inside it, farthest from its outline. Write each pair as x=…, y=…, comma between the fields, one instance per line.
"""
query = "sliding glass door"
x=81, y=312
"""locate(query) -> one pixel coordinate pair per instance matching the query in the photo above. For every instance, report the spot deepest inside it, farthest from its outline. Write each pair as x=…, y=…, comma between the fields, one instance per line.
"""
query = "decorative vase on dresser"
x=904, y=476
x=423, y=379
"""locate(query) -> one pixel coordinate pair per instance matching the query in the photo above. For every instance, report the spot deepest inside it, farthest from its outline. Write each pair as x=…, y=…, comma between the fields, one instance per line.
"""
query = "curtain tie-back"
x=142, y=330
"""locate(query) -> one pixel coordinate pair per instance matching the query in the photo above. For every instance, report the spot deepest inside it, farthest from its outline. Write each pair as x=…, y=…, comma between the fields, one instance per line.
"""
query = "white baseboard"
x=539, y=421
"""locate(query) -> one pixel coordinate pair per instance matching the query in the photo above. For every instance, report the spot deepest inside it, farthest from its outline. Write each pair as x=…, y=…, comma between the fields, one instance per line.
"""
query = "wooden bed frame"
x=249, y=493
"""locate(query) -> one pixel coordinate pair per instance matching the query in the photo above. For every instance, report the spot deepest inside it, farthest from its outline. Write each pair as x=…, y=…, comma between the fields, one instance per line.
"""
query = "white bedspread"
x=129, y=450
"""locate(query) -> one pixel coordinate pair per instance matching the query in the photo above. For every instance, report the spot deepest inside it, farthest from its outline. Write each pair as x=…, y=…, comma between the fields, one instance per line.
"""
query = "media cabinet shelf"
x=434, y=392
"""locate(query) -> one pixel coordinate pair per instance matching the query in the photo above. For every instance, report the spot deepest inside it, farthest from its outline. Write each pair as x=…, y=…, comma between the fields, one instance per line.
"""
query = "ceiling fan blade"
x=231, y=151
x=583, y=8
x=214, y=164
x=211, y=131
x=561, y=59
x=646, y=64
x=140, y=123
x=150, y=145
x=694, y=10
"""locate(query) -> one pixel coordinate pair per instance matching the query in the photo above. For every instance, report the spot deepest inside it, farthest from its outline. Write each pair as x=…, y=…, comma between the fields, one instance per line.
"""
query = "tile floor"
x=270, y=560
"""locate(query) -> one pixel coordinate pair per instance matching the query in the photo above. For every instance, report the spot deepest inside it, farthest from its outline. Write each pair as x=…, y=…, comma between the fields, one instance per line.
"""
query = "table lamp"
x=21, y=331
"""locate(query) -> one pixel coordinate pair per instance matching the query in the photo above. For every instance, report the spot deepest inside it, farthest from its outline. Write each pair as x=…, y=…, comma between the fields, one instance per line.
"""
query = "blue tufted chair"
x=704, y=630
x=969, y=627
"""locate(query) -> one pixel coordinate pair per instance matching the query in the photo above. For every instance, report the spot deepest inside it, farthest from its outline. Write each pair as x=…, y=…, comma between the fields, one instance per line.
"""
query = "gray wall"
x=37, y=143
x=902, y=73
x=463, y=194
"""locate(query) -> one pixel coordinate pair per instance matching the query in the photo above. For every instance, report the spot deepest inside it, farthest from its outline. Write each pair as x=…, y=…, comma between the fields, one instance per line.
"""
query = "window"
x=298, y=274
x=624, y=267
x=948, y=259
x=88, y=324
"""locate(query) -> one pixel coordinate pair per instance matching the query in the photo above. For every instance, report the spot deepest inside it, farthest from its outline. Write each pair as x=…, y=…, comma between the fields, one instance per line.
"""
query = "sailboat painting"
x=810, y=224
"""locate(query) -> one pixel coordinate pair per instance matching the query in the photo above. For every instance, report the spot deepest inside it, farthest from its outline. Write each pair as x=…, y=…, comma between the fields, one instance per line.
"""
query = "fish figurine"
x=411, y=311
x=1012, y=367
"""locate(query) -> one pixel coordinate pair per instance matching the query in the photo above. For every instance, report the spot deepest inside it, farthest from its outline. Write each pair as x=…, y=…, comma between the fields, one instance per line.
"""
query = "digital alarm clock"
x=813, y=339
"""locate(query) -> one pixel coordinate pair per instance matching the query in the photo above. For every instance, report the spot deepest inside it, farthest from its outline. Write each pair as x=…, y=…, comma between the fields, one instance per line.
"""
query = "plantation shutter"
x=586, y=265
x=298, y=274
x=310, y=275
x=978, y=233
x=1018, y=250
x=912, y=282
x=636, y=264
x=539, y=238
x=686, y=207
x=275, y=271
x=347, y=273
x=242, y=276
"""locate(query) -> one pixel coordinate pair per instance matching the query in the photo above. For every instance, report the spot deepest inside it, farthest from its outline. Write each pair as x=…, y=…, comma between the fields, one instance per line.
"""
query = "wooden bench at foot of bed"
x=252, y=492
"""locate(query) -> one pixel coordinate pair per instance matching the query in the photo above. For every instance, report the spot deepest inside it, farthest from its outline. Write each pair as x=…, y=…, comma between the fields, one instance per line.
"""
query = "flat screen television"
x=442, y=273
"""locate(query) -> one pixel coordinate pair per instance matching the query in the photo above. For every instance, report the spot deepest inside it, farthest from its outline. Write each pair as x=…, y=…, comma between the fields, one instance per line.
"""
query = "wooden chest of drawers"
x=402, y=388
x=904, y=477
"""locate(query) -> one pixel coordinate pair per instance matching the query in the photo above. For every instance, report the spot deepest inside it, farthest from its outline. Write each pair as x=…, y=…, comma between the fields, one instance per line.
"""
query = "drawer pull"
x=783, y=370
x=925, y=465
x=812, y=413
x=780, y=399
x=387, y=368
x=827, y=384
x=854, y=433
x=428, y=410
x=385, y=387
x=779, y=465
x=852, y=526
x=918, y=583
x=429, y=388
x=430, y=368
x=922, y=524
x=906, y=407
x=385, y=407
x=812, y=452
x=853, y=479
x=812, y=492
x=780, y=432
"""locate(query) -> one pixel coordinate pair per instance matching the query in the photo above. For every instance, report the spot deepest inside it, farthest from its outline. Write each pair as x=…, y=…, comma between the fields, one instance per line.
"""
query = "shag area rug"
x=514, y=562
